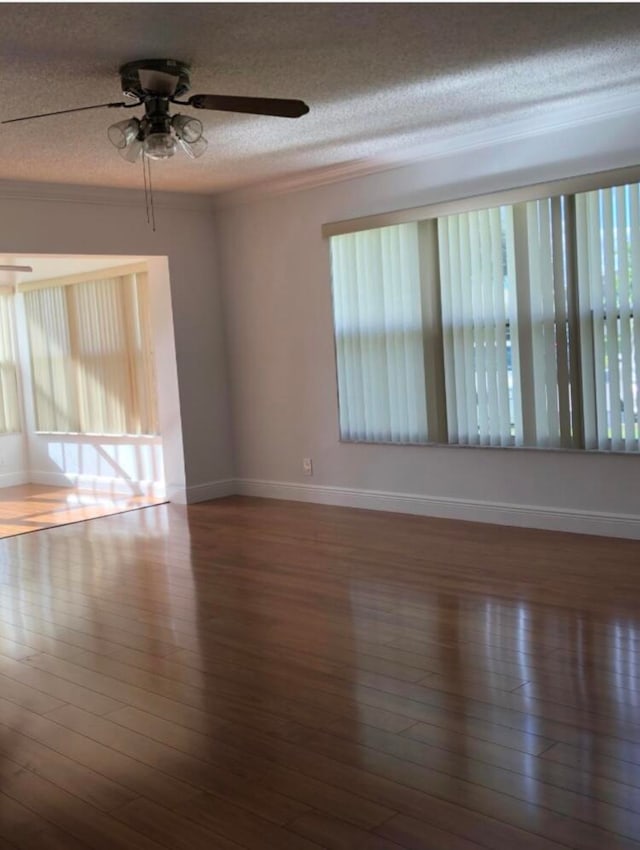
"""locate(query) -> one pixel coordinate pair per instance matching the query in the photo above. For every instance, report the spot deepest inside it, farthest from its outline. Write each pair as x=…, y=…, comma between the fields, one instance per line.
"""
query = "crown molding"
x=308, y=179
x=101, y=195
x=447, y=142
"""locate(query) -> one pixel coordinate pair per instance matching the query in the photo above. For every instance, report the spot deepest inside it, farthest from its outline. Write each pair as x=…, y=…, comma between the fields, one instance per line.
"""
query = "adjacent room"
x=80, y=428
x=319, y=364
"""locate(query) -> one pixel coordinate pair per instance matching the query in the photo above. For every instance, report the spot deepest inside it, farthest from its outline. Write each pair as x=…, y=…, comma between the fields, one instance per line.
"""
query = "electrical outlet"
x=307, y=466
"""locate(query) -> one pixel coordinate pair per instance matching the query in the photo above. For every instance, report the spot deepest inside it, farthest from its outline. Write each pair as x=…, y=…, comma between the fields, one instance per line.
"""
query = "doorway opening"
x=89, y=408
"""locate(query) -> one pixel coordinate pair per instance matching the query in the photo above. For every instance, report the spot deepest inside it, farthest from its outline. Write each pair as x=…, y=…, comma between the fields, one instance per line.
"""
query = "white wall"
x=275, y=273
x=63, y=220
x=13, y=460
x=132, y=466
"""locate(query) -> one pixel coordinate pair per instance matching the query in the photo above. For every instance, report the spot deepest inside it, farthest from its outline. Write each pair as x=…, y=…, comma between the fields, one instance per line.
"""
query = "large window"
x=91, y=356
x=506, y=326
x=9, y=407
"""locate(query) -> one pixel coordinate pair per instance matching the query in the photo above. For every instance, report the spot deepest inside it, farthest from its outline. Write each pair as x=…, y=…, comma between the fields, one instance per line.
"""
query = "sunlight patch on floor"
x=30, y=507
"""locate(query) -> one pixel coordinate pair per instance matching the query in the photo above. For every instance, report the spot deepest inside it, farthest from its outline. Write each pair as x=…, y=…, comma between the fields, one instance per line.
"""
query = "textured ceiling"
x=381, y=80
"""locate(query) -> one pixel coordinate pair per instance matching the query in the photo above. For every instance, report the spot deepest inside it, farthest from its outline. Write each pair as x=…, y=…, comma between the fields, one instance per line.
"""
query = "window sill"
x=551, y=449
x=73, y=435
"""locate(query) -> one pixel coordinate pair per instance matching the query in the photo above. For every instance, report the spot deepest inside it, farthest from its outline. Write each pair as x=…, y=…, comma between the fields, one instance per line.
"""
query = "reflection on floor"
x=277, y=676
x=31, y=507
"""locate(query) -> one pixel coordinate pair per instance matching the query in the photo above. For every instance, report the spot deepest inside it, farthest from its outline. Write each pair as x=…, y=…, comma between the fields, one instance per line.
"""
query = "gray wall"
x=276, y=285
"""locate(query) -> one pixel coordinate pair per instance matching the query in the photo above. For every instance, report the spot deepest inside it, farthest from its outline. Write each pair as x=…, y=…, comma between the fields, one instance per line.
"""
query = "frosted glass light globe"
x=159, y=146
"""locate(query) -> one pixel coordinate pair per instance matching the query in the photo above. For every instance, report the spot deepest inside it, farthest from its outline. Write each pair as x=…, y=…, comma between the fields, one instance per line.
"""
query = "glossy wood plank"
x=17, y=750
x=22, y=649
x=222, y=776
x=253, y=674
x=338, y=835
x=79, y=632
x=171, y=830
x=65, y=644
x=196, y=718
x=480, y=785
x=113, y=628
x=418, y=835
x=73, y=815
x=53, y=839
x=18, y=824
x=120, y=768
x=459, y=819
x=595, y=762
x=56, y=686
x=456, y=756
x=459, y=727
x=237, y=824
x=26, y=696
x=269, y=775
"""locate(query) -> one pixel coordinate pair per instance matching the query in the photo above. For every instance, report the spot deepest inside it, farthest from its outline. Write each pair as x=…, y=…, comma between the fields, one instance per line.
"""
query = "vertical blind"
x=9, y=409
x=549, y=419
x=91, y=357
x=476, y=260
x=609, y=262
x=378, y=334
x=531, y=340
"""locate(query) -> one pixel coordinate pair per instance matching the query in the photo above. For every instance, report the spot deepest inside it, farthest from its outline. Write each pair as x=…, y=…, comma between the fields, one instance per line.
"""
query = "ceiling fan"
x=156, y=84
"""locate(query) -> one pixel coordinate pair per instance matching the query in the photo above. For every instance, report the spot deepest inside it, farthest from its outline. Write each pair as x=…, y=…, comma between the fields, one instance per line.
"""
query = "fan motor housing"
x=130, y=76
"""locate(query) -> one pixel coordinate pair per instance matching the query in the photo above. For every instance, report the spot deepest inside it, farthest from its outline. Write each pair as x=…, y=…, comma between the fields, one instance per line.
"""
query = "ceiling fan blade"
x=253, y=105
x=16, y=269
x=65, y=111
x=158, y=82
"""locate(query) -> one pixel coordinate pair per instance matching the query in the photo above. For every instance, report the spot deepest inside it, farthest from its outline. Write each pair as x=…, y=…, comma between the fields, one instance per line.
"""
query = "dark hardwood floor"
x=265, y=675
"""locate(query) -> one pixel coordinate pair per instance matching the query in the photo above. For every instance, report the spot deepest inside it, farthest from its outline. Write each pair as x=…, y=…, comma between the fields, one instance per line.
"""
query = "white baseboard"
x=12, y=479
x=210, y=490
x=102, y=484
x=527, y=516
x=177, y=493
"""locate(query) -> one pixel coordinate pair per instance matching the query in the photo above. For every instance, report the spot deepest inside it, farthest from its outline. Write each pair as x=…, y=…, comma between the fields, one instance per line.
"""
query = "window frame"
x=427, y=216
x=520, y=194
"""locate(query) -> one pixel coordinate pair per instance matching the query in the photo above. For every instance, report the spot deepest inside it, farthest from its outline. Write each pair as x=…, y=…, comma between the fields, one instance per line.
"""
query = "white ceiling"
x=382, y=80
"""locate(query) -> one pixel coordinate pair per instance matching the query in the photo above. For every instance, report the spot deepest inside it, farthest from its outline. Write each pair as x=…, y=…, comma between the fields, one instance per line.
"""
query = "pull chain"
x=148, y=192
x=153, y=212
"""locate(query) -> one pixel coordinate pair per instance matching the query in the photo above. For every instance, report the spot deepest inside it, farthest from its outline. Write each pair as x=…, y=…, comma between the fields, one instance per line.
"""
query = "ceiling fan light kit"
x=158, y=134
x=124, y=132
x=187, y=128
